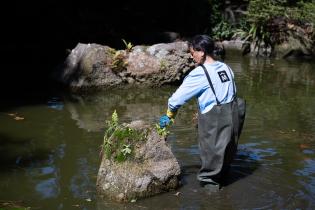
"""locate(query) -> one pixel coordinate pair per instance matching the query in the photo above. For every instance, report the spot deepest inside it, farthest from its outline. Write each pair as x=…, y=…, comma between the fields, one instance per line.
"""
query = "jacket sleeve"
x=190, y=88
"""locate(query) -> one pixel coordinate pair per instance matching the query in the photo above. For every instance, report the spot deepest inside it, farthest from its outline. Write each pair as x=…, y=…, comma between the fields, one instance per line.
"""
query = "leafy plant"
x=126, y=150
x=119, y=140
x=128, y=45
x=216, y=12
x=223, y=30
x=262, y=15
x=161, y=131
x=118, y=62
x=114, y=121
x=305, y=11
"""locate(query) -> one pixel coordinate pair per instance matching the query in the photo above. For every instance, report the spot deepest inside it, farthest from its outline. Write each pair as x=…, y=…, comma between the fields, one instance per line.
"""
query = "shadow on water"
x=242, y=166
x=29, y=96
x=19, y=153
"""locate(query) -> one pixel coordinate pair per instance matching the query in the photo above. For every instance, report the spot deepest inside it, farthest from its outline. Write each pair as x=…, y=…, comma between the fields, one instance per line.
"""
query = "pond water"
x=50, y=144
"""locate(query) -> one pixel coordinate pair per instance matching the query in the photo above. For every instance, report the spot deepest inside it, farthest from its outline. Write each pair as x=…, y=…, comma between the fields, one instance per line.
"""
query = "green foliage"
x=260, y=11
x=161, y=131
x=264, y=10
x=126, y=150
x=258, y=16
x=267, y=21
x=242, y=30
x=114, y=121
x=118, y=62
x=216, y=11
x=304, y=11
x=223, y=31
x=128, y=45
x=119, y=140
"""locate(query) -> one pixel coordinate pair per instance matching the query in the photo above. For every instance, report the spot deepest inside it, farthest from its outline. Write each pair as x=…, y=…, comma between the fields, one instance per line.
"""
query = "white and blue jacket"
x=195, y=84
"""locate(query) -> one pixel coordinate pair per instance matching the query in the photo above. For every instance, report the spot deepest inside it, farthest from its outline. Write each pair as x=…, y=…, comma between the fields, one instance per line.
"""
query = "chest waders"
x=218, y=134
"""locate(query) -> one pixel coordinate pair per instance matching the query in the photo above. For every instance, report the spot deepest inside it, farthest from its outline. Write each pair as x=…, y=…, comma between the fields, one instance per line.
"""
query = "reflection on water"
x=48, y=188
x=50, y=158
x=55, y=103
x=307, y=176
x=256, y=152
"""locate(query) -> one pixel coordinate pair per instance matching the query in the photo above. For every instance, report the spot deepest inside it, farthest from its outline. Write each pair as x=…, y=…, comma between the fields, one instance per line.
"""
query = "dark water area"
x=50, y=143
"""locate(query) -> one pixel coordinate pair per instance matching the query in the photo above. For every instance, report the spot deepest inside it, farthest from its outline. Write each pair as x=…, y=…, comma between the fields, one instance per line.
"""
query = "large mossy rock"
x=89, y=66
x=151, y=170
x=295, y=47
x=97, y=66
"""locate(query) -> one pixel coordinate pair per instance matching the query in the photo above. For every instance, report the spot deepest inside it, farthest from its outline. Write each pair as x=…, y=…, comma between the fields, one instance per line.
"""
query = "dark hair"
x=202, y=43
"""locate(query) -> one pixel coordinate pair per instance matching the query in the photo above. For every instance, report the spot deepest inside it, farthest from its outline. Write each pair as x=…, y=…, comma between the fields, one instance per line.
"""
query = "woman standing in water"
x=212, y=83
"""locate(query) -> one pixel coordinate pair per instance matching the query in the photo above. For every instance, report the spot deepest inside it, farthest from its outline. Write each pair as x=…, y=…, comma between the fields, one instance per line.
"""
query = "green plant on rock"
x=305, y=11
x=118, y=61
x=161, y=131
x=126, y=149
x=120, y=140
x=264, y=17
x=128, y=45
x=259, y=15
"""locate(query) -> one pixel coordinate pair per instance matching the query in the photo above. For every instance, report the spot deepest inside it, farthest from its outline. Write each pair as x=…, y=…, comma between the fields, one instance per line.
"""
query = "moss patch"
x=120, y=140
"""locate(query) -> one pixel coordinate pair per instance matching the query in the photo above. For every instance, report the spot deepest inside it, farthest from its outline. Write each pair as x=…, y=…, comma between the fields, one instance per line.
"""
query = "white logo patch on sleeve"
x=223, y=76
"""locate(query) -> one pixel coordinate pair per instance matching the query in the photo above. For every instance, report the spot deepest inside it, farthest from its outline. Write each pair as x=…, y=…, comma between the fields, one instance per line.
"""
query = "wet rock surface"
x=152, y=170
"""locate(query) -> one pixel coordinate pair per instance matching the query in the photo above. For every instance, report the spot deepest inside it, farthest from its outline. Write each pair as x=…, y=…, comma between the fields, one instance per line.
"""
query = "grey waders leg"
x=218, y=132
x=217, y=142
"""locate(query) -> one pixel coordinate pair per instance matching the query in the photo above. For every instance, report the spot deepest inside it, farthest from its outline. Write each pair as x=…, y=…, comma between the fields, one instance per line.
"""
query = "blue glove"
x=164, y=121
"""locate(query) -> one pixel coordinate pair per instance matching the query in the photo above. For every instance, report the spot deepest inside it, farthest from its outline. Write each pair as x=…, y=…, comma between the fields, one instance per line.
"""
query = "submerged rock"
x=151, y=170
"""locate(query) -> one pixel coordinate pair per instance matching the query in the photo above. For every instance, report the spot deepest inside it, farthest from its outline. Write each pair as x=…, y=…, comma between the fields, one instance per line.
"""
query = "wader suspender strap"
x=209, y=80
